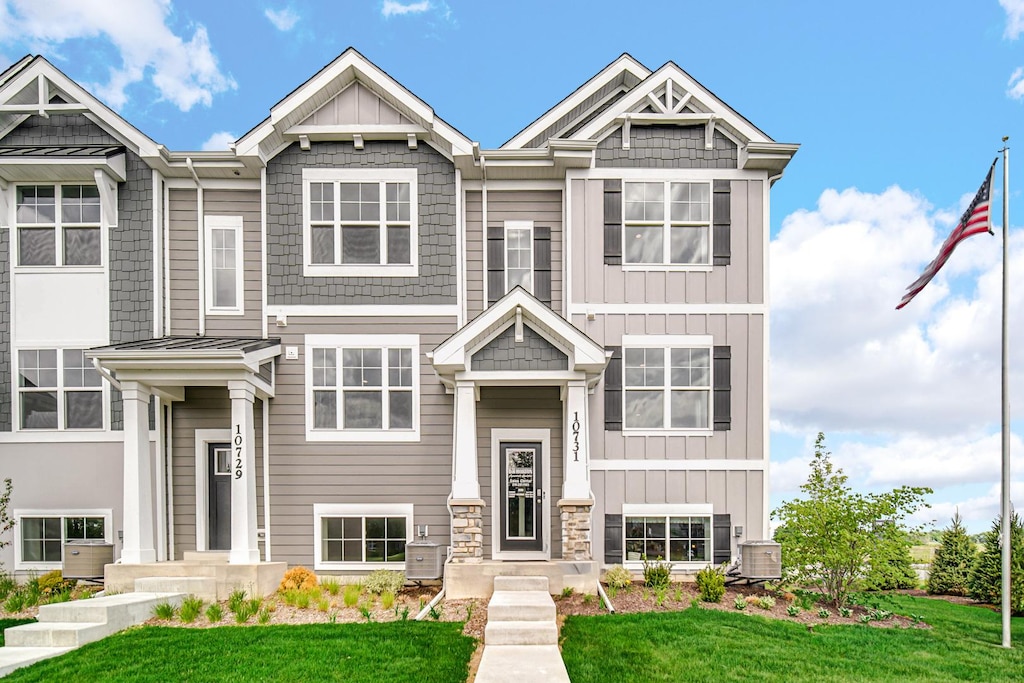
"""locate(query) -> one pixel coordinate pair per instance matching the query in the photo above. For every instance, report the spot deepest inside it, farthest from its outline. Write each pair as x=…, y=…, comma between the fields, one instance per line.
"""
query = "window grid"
x=363, y=538
x=43, y=537
x=58, y=222
x=673, y=538
x=58, y=389
x=519, y=258
x=667, y=395
x=224, y=268
x=371, y=395
x=667, y=223
x=360, y=223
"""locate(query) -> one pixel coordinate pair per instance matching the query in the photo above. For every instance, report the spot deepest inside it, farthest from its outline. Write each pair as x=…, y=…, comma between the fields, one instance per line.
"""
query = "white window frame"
x=61, y=390
x=519, y=225
x=58, y=227
x=235, y=224
x=667, y=343
x=343, y=341
x=667, y=511
x=376, y=175
x=667, y=224
x=63, y=514
x=322, y=510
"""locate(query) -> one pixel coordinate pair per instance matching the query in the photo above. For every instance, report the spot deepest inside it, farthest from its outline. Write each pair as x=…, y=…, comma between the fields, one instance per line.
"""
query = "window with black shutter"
x=722, y=217
x=542, y=263
x=613, y=390
x=722, y=390
x=722, y=538
x=613, y=539
x=613, y=222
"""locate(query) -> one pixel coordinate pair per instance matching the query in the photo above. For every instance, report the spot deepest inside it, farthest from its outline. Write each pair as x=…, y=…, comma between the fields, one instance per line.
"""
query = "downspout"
x=266, y=476
x=105, y=375
x=201, y=251
x=168, y=416
x=604, y=598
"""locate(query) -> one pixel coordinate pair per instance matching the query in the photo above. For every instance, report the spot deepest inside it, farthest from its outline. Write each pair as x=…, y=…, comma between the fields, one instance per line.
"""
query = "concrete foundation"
x=205, y=575
x=476, y=580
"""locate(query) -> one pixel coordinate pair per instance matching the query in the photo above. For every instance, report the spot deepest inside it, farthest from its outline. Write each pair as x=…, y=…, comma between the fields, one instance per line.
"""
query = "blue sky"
x=899, y=108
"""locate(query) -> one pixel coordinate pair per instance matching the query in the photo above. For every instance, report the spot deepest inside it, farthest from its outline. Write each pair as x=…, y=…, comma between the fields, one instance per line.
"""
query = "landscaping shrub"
x=657, y=574
x=951, y=566
x=298, y=578
x=711, y=584
x=7, y=585
x=618, y=577
x=382, y=580
x=890, y=565
x=352, y=593
x=54, y=582
x=985, y=582
x=191, y=608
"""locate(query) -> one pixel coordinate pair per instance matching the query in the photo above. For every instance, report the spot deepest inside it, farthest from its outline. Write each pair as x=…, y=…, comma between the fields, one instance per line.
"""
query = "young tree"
x=953, y=559
x=829, y=538
x=985, y=582
x=6, y=523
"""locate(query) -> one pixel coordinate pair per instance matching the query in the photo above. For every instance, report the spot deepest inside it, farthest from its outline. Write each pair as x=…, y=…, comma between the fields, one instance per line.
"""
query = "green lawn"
x=706, y=645
x=7, y=623
x=426, y=652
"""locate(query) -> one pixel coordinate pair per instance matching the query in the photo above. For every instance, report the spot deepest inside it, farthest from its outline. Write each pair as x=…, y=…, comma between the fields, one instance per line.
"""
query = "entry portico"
x=164, y=368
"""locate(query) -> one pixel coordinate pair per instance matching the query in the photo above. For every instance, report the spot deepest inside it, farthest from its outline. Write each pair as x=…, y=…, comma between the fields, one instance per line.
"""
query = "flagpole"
x=1005, y=531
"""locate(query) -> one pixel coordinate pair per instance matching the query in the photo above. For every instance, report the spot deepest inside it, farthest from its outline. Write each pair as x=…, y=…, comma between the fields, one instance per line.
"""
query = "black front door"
x=219, y=503
x=522, y=497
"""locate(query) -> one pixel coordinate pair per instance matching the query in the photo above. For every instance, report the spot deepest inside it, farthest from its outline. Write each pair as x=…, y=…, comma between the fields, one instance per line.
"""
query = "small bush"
x=302, y=599
x=298, y=578
x=352, y=593
x=214, y=613
x=657, y=574
x=59, y=596
x=711, y=584
x=387, y=600
x=382, y=580
x=323, y=604
x=845, y=612
x=332, y=586
x=618, y=577
x=806, y=599
x=567, y=591
x=739, y=603
x=191, y=608
x=765, y=602
x=236, y=601
x=165, y=611
x=7, y=585
x=264, y=616
x=824, y=613
x=54, y=582
x=15, y=602
x=792, y=610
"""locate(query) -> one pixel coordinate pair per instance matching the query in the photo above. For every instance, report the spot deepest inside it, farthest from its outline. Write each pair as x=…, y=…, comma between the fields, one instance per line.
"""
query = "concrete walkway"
x=63, y=626
x=521, y=637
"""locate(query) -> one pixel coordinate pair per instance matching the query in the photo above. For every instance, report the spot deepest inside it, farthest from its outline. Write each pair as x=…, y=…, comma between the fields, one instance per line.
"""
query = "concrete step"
x=67, y=634
x=118, y=611
x=206, y=556
x=204, y=587
x=521, y=606
x=518, y=663
x=521, y=583
x=12, y=658
x=520, y=633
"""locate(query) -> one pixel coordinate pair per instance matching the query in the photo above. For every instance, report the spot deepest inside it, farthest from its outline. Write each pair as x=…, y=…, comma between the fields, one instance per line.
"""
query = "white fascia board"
x=670, y=72
x=249, y=145
x=694, y=465
x=624, y=63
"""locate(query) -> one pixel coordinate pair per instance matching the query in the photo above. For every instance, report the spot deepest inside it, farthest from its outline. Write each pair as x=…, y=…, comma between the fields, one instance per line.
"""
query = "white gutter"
x=105, y=375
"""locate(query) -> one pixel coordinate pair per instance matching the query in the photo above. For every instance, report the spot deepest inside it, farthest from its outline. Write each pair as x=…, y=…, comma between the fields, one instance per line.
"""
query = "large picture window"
x=360, y=222
x=58, y=225
x=675, y=538
x=357, y=534
x=42, y=534
x=58, y=389
x=362, y=387
x=667, y=223
x=667, y=387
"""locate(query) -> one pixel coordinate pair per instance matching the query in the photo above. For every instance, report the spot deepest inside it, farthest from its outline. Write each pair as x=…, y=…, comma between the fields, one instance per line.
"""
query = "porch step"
x=206, y=556
x=518, y=663
x=521, y=633
x=521, y=606
x=56, y=634
x=521, y=583
x=12, y=658
x=204, y=587
x=117, y=611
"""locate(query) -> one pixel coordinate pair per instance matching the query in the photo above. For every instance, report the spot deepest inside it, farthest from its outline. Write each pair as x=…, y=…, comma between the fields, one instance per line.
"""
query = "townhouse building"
x=357, y=328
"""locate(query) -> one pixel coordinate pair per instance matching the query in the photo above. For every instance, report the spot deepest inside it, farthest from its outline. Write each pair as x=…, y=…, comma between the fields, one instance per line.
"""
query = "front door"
x=219, y=504
x=522, y=497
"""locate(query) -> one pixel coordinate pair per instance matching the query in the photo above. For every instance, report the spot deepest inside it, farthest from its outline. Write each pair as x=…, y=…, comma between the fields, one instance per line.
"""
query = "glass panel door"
x=523, y=493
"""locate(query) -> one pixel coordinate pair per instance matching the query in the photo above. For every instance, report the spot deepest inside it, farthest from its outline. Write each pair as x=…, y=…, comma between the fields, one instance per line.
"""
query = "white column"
x=138, y=545
x=244, y=548
x=465, y=482
x=576, y=449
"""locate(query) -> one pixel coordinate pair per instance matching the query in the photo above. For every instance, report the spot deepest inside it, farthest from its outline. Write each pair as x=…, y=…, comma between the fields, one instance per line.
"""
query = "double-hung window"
x=667, y=223
x=224, y=293
x=348, y=534
x=519, y=255
x=362, y=388
x=58, y=389
x=58, y=225
x=43, y=533
x=667, y=383
x=360, y=222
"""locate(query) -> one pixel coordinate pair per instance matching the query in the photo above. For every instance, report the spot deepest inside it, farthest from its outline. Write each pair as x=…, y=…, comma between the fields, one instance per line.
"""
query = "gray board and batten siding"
x=436, y=282
x=543, y=207
x=130, y=245
x=304, y=473
x=183, y=257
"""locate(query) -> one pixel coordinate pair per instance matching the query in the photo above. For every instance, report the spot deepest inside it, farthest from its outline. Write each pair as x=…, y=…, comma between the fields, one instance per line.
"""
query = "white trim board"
x=364, y=310
x=19, y=565
x=321, y=510
x=668, y=309
x=678, y=465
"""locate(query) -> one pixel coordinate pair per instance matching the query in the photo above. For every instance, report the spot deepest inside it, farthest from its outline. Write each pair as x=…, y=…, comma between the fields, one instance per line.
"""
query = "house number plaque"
x=576, y=436
x=238, y=441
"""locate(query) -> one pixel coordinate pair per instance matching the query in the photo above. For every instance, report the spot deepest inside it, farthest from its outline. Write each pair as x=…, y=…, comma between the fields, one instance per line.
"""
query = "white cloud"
x=1014, y=18
x=184, y=71
x=392, y=8
x=283, y=20
x=1016, y=84
x=219, y=141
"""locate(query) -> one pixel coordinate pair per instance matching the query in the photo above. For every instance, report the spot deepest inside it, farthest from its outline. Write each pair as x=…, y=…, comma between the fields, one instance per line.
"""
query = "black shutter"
x=613, y=391
x=612, y=222
x=542, y=263
x=723, y=219
x=723, y=388
x=495, y=263
x=722, y=538
x=613, y=539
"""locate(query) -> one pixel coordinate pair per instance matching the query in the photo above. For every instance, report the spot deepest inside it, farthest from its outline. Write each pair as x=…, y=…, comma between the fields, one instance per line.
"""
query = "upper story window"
x=362, y=388
x=518, y=255
x=360, y=222
x=59, y=225
x=667, y=223
x=58, y=389
x=224, y=294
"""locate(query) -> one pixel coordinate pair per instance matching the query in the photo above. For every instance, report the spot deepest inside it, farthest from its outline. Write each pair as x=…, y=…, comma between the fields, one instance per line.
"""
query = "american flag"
x=976, y=220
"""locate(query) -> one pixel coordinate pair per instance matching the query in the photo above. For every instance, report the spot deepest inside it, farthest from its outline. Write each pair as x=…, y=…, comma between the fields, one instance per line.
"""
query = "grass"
x=923, y=553
x=708, y=645
x=355, y=653
x=7, y=623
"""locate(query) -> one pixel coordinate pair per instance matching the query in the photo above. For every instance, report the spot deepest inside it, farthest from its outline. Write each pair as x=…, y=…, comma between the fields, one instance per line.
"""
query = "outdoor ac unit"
x=85, y=560
x=760, y=560
x=424, y=561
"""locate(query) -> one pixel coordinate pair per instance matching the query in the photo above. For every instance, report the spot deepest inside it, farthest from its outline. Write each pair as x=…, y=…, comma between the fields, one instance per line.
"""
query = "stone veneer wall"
x=467, y=532
x=576, y=542
x=666, y=147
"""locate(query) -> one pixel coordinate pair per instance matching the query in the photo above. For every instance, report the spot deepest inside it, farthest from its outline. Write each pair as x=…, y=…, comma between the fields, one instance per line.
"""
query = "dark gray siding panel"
x=666, y=147
x=59, y=129
x=533, y=353
x=437, y=268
